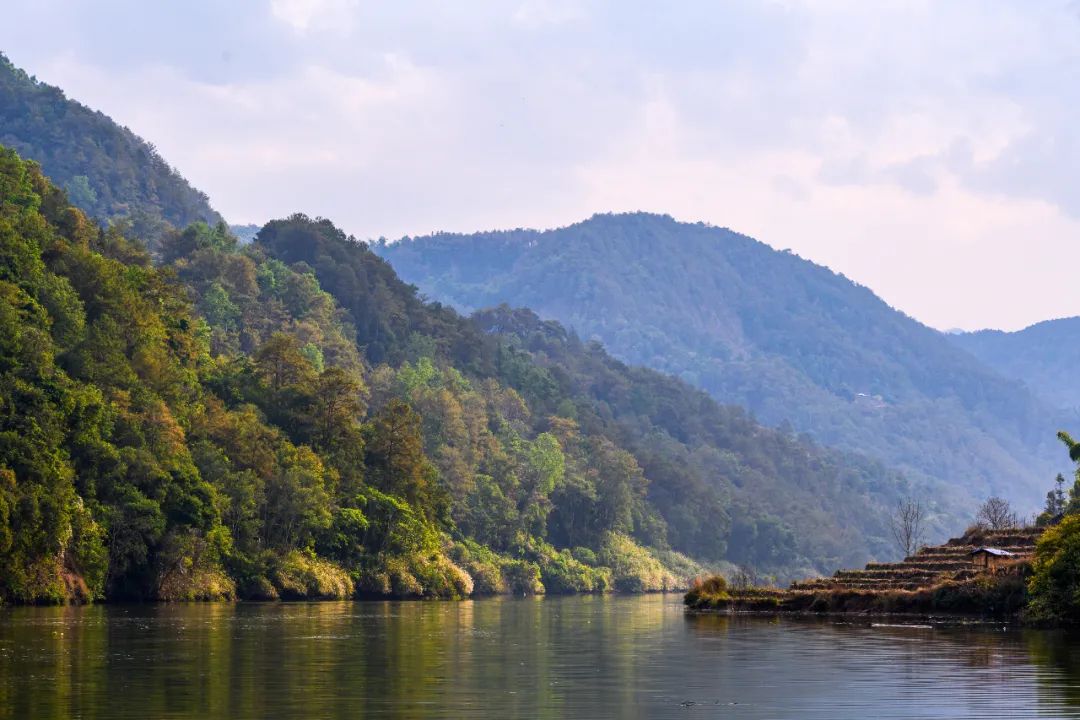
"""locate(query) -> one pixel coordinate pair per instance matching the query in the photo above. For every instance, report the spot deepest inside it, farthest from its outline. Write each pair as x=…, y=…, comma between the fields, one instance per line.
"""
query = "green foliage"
x=561, y=572
x=1060, y=503
x=483, y=565
x=98, y=366
x=301, y=576
x=396, y=463
x=1055, y=583
x=1056, y=504
x=642, y=453
x=788, y=340
x=431, y=576
x=523, y=577
x=214, y=428
x=388, y=317
x=710, y=592
x=634, y=568
x=716, y=484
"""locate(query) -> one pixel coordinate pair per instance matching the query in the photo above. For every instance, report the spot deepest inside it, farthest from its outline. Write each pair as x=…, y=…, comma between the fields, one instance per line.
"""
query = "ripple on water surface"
x=581, y=657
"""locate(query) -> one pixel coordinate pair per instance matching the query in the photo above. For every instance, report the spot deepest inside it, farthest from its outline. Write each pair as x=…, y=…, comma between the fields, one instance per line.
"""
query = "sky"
x=927, y=149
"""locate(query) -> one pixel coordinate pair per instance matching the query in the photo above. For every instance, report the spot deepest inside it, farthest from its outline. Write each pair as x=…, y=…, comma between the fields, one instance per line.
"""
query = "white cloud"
x=304, y=15
x=540, y=13
x=925, y=149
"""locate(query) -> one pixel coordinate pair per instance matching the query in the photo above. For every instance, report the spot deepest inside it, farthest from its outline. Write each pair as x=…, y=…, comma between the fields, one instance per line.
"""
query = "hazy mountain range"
x=790, y=340
x=1042, y=356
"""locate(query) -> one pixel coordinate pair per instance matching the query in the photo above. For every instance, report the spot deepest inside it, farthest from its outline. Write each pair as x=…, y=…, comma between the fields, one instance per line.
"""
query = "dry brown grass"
x=936, y=579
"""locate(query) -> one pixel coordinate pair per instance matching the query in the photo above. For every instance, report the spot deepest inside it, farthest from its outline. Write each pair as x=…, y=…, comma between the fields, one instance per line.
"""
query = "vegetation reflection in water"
x=596, y=657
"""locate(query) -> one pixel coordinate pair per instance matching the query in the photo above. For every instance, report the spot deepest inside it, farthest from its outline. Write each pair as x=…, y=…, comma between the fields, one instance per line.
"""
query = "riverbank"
x=937, y=580
x=463, y=569
x=998, y=596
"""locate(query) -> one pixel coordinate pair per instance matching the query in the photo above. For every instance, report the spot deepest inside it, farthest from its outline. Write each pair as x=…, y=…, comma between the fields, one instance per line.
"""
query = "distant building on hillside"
x=869, y=402
x=990, y=558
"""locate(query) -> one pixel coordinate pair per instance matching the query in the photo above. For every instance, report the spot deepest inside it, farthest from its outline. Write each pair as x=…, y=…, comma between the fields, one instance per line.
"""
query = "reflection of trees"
x=49, y=644
x=1057, y=655
x=713, y=623
x=536, y=657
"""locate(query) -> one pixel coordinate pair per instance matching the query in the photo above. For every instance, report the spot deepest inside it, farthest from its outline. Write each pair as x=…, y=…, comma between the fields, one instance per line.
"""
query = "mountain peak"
x=791, y=340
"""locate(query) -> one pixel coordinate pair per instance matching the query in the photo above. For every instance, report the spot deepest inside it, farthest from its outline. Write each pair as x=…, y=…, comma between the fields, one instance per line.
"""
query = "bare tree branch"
x=996, y=514
x=907, y=525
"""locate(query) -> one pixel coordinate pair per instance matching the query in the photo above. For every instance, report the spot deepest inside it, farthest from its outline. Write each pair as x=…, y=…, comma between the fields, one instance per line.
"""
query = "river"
x=560, y=657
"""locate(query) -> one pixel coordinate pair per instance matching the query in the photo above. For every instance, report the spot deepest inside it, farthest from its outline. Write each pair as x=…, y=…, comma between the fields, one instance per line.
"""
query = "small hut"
x=990, y=558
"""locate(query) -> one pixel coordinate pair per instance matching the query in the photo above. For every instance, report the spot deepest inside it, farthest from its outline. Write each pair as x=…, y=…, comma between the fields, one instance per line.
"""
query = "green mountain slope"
x=289, y=419
x=1041, y=356
x=714, y=475
x=223, y=436
x=107, y=170
x=790, y=340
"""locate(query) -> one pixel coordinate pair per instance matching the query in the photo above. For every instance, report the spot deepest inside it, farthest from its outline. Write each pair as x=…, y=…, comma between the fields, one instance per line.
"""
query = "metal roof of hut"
x=991, y=551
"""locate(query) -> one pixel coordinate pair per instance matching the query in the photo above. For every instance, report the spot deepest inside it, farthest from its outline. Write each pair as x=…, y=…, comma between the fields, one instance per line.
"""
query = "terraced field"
x=930, y=566
x=936, y=581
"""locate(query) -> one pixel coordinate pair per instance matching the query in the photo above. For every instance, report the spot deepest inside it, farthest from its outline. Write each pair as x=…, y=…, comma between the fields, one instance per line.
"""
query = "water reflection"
x=589, y=657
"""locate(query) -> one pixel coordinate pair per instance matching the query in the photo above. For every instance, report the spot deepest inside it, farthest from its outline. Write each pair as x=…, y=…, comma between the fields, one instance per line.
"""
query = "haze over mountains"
x=790, y=340
x=107, y=171
x=1043, y=356
x=649, y=466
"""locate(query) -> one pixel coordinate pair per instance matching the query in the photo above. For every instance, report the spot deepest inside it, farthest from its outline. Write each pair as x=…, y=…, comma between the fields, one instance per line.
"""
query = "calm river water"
x=571, y=657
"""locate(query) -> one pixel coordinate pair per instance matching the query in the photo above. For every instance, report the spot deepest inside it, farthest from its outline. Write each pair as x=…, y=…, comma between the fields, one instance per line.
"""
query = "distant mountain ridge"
x=107, y=171
x=1043, y=356
x=789, y=339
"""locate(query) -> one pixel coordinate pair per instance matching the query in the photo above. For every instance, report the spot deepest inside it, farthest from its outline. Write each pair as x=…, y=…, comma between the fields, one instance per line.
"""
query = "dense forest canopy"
x=695, y=451
x=210, y=429
x=1039, y=356
x=106, y=170
x=788, y=339
x=287, y=418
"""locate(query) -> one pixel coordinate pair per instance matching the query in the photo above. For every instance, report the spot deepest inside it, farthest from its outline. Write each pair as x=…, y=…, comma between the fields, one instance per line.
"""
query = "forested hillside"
x=288, y=419
x=107, y=170
x=1041, y=356
x=789, y=340
x=714, y=474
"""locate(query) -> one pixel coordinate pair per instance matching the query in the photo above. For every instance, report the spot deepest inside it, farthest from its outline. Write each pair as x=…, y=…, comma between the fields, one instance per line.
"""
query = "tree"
x=1074, y=447
x=1073, y=505
x=1055, y=582
x=397, y=464
x=337, y=407
x=296, y=502
x=996, y=514
x=280, y=362
x=543, y=467
x=907, y=525
x=1056, y=502
x=744, y=578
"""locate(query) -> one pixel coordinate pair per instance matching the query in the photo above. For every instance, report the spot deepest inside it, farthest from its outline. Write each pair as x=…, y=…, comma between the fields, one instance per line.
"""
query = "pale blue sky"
x=926, y=149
